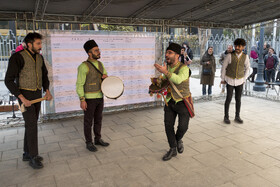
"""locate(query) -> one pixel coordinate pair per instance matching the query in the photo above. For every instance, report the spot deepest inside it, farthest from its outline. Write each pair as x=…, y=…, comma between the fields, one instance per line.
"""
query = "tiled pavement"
x=215, y=154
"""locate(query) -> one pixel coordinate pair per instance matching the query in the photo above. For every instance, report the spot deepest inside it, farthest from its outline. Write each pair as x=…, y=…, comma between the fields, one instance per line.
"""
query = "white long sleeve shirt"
x=231, y=81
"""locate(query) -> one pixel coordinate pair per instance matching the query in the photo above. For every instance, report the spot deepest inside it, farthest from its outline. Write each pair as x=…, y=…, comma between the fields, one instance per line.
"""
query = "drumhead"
x=112, y=87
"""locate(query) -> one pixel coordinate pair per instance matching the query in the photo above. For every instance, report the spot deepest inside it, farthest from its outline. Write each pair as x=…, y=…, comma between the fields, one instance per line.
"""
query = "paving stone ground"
x=215, y=154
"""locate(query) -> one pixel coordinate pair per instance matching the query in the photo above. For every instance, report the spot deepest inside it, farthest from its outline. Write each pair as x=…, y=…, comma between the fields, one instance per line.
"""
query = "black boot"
x=238, y=120
x=172, y=152
x=101, y=142
x=35, y=163
x=91, y=147
x=226, y=120
x=180, y=146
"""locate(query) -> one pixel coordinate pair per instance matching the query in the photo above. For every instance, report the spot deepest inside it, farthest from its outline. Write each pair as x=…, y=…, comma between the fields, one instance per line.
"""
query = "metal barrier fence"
x=218, y=42
x=9, y=42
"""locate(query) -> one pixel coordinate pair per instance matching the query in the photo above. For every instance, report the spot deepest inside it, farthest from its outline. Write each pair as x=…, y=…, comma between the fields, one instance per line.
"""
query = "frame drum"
x=112, y=87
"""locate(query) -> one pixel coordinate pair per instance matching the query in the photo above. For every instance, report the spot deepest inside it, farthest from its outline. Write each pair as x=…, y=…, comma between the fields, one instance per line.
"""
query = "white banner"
x=129, y=57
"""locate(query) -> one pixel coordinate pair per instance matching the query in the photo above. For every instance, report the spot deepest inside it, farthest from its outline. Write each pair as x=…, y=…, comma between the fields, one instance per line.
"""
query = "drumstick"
x=188, y=57
x=22, y=107
x=38, y=100
x=164, y=99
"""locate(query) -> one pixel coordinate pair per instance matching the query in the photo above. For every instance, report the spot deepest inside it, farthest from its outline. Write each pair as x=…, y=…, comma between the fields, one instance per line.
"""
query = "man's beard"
x=171, y=61
x=35, y=51
x=95, y=56
x=238, y=51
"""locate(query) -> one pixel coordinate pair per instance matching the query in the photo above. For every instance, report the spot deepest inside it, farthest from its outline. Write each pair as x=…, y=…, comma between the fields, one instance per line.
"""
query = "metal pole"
x=12, y=33
x=253, y=35
x=17, y=43
x=239, y=33
x=278, y=46
x=259, y=82
x=33, y=25
x=274, y=34
x=26, y=26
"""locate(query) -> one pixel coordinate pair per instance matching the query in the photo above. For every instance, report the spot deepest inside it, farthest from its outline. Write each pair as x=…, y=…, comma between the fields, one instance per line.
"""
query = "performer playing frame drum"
x=88, y=86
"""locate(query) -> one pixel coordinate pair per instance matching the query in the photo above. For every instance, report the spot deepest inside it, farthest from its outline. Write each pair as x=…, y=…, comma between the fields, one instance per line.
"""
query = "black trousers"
x=238, y=93
x=252, y=76
x=270, y=75
x=170, y=113
x=30, y=116
x=94, y=111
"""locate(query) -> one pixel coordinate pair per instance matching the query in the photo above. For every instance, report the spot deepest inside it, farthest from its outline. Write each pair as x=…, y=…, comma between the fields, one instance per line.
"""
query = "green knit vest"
x=235, y=69
x=93, y=79
x=30, y=76
x=183, y=87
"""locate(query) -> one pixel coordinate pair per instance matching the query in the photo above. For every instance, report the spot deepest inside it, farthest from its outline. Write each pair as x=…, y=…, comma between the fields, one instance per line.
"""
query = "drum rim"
x=119, y=94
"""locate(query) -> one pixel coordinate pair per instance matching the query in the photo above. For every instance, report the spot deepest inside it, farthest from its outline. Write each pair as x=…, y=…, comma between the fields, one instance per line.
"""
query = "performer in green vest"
x=178, y=73
x=235, y=71
x=88, y=86
x=25, y=77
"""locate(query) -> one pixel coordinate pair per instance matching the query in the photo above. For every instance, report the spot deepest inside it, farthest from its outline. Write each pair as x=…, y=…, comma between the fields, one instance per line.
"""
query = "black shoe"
x=26, y=157
x=238, y=120
x=35, y=163
x=180, y=146
x=226, y=120
x=91, y=147
x=172, y=152
x=101, y=142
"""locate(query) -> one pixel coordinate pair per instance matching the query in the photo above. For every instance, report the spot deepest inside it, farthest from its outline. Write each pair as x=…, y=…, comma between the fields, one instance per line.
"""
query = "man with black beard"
x=25, y=77
x=177, y=73
x=88, y=87
x=234, y=72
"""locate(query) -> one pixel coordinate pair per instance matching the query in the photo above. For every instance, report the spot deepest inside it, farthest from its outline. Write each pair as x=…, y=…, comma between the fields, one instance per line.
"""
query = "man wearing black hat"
x=177, y=73
x=88, y=86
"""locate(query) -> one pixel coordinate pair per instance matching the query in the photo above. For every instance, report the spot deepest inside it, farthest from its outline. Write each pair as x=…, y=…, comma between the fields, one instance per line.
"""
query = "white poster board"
x=129, y=56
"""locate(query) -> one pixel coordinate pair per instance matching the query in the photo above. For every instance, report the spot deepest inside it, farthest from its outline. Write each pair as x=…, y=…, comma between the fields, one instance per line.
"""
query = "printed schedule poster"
x=130, y=57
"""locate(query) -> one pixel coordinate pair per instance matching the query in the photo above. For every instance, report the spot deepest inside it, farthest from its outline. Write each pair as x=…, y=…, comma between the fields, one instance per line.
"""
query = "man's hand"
x=48, y=95
x=83, y=105
x=208, y=62
x=189, y=62
x=223, y=82
x=104, y=76
x=162, y=69
x=25, y=102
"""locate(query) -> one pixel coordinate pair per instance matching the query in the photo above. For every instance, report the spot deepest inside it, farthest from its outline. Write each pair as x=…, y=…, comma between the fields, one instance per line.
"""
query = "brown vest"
x=235, y=69
x=183, y=87
x=30, y=76
x=93, y=80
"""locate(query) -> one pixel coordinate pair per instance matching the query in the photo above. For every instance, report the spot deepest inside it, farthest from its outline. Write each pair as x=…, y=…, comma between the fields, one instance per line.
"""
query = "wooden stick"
x=164, y=99
x=22, y=107
x=38, y=100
